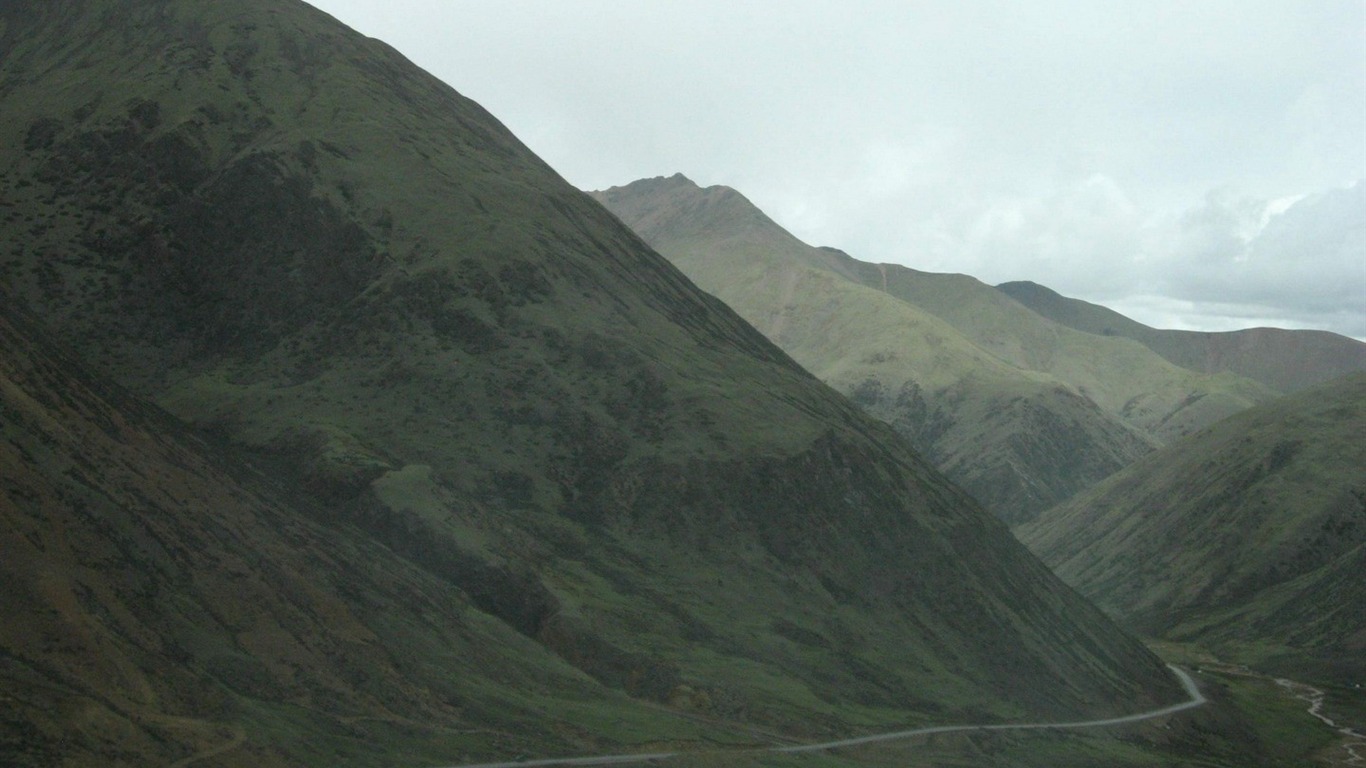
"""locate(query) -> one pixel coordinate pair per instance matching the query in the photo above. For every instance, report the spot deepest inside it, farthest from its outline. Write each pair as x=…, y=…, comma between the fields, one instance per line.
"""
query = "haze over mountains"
x=483, y=473
x=1020, y=410
x=1281, y=359
x=1243, y=533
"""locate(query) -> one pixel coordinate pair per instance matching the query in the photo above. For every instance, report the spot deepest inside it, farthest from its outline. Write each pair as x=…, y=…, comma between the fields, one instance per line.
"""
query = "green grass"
x=1245, y=537
x=536, y=470
x=1021, y=411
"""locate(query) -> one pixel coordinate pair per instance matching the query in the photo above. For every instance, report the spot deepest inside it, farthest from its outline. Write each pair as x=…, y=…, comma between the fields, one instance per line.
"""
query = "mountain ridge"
x=1055, y=410
x=1285, y=360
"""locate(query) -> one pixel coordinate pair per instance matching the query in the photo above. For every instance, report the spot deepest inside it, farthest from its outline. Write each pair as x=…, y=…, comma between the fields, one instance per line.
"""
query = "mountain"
x=1021, y=411
x=1249, y=534
x=1285, y=360
x=165, y=602
x=478, y=385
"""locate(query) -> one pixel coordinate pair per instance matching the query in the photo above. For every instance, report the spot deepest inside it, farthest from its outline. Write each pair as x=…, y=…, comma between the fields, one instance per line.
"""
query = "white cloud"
x=1230, y=262
x=1069, y=142
x=1302, y=260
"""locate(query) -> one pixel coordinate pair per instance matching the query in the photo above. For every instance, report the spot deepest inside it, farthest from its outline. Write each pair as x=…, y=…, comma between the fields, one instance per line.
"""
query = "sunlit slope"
x=1249, y=532
x=1284, y=360
x=1020, y=410
x=716, y=229
x=1120, y=375
x=291, y=238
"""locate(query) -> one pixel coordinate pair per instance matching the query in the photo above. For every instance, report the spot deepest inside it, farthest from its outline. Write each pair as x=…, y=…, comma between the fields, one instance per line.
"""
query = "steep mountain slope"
x=163, y=601
x=1250, y=532
x=1019, y=441
x=1021, y=411
x=1284, y=360
x=287, y=235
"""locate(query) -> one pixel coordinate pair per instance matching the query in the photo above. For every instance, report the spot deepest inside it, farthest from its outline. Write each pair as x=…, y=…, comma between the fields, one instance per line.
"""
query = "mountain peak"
x=676, y=206
x=1026, y=288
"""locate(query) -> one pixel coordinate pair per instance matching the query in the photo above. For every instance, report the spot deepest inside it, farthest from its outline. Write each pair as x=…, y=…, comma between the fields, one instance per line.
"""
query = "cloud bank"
x=1230, y=262
x=1140, y=153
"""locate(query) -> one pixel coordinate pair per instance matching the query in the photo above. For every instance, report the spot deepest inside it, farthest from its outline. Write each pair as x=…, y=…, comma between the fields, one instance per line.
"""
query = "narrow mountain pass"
x=1196, y=699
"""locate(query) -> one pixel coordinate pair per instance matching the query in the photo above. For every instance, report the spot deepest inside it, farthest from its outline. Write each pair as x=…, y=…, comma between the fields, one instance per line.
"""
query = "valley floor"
x=1251, y=720
x=1196, y=699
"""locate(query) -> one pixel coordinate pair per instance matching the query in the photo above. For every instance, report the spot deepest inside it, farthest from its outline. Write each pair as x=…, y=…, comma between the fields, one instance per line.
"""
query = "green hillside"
x=1247, y=536
x=1284, y=360
x=164, y=603
x=1123, y=377
x=1021, y=411
x=356, y=281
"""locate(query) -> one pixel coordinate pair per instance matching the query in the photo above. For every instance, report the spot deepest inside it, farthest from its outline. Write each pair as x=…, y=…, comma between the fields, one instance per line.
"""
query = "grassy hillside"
x=1247, y=536
x=1121, y=376
x=337, y=267
x=1021, y=411
x=1283, y=360
x=164, y=601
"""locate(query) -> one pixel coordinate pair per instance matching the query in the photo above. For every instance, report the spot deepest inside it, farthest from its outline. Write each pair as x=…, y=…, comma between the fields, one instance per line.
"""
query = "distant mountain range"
x=1250, y=534
x=1284, y=360
x=1019, y=409
x=1245, y=532
x=339, y=429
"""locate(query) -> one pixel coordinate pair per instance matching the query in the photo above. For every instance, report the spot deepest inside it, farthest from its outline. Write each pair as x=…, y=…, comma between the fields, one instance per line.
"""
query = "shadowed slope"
x=162, y=601
x=1250, y=532
x=288, y=235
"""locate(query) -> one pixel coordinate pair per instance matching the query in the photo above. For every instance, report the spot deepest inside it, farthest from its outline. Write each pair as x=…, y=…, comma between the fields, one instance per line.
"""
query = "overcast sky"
x=1193, y=164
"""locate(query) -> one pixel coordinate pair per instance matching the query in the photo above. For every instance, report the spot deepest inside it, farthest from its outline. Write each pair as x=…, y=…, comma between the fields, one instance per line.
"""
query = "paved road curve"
x=1192, y=690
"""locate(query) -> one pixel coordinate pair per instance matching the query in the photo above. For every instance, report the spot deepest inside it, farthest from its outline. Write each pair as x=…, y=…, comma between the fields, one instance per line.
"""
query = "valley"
x=1020, y=410
x=337, y=428
x=1195, y=699
x=1353, y=742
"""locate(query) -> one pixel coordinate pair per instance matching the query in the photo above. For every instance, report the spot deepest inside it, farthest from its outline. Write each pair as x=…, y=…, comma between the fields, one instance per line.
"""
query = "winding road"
x=1192, y=690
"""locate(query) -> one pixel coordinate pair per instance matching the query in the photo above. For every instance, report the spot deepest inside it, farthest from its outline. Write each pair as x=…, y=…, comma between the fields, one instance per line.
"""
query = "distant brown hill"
x=1285, y=360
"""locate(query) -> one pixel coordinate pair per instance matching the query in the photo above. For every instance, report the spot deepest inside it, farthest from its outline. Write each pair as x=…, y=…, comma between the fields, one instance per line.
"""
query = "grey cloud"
x=1237, y=261
x=1310, y=257
x=1061, y=142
